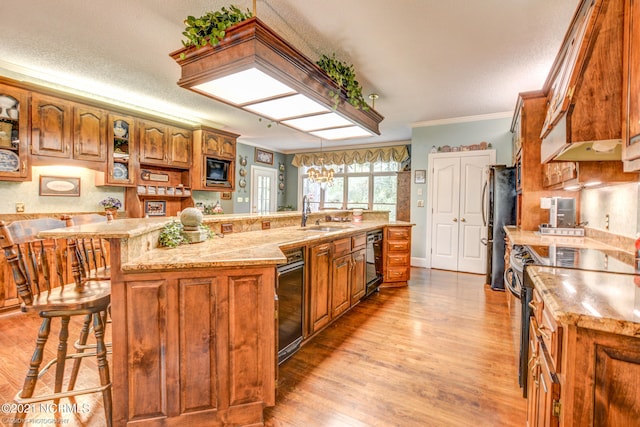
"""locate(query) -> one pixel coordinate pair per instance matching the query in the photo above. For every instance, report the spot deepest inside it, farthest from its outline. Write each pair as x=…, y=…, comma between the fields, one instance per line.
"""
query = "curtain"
x=347, y=157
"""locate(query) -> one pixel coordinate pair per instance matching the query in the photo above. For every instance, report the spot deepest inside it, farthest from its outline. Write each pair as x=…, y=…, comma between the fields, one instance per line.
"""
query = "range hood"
x=610, y=149
x=558, y=146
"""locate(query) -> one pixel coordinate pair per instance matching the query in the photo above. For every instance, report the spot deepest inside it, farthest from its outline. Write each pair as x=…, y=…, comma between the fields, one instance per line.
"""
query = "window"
x=358, y=185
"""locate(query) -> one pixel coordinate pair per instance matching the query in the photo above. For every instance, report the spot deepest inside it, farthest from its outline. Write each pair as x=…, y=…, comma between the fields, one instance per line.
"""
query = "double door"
x=456, y=202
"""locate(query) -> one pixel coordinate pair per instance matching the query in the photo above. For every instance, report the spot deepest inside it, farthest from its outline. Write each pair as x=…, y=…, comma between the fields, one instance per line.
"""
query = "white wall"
x=495, y=131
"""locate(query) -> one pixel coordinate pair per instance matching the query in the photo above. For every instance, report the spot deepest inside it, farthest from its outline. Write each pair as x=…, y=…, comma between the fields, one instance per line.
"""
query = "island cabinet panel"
x=320, y=266
x=193, y=348
x=358, y=275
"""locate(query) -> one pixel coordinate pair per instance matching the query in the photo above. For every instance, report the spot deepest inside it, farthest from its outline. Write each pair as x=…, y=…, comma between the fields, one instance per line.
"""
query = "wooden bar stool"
x=46, y=286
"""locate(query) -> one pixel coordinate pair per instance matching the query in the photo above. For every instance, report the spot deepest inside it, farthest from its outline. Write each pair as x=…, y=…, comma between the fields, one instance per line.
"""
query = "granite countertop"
x=235, y=249
x=534, y=238
x=608, y=302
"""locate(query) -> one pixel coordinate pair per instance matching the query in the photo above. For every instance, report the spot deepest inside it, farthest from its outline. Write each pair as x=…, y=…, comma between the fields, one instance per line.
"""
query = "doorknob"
x=455, y=219
x=462, y=219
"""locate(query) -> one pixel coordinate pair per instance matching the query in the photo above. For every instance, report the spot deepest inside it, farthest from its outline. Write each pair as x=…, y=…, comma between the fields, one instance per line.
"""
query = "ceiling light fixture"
x=256, y=70
x=322, y=176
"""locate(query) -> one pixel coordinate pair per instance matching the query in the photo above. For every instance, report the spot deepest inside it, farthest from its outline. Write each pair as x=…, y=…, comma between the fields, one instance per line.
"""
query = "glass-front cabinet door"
x=121, y=142
x=14, y=134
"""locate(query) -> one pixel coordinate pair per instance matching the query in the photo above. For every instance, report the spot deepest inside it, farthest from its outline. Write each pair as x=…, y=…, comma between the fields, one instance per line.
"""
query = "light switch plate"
x=239, y=200
x=421, y=203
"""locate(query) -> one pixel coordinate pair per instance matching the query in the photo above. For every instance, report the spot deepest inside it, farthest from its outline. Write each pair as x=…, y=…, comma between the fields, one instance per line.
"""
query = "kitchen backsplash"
x=619, y=202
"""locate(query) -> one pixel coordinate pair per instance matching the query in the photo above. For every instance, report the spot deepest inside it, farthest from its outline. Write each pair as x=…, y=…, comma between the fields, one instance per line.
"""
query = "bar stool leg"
x=82, y=340
x=34, y=366
x=103, y=366
x=61, y=357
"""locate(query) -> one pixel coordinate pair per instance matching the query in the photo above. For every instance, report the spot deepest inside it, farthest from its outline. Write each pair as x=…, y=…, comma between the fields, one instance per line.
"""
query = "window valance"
x=347, y=157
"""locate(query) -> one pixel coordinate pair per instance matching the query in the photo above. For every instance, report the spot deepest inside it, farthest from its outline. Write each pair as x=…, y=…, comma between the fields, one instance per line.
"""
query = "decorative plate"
x=281, y=185
x=9, y=161
x=242, y=172
x=242, y=183
x=120, y=171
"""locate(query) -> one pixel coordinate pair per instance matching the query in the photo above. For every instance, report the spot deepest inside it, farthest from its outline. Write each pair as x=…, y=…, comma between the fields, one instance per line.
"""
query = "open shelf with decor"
x=159, y=192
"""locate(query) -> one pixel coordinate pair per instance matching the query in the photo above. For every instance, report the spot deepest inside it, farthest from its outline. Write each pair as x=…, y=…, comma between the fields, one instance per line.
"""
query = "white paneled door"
x=263, y=189
x=456, y=201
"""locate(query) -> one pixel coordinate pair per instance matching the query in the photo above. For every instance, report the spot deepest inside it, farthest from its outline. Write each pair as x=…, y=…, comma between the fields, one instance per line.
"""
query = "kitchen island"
x=194, y=327
x=584, y=345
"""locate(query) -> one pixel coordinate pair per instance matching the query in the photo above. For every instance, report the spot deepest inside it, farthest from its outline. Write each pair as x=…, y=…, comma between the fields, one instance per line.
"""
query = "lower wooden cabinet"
x=319, y=303
x=194, y=347
x=580, y=377
x=396, y=253
x=337, y=279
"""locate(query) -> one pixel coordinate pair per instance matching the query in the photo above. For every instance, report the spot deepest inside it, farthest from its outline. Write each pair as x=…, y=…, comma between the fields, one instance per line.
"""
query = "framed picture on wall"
x=59, y=186
x=420, y=177
x=225, y=195
x=264, y=156
x=155, y=207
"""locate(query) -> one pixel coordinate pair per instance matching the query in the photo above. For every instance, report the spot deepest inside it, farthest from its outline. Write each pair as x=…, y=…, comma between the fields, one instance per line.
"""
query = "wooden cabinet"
x=14, y=134
x=51, y=126
x=67, y=130
x=320, y=266
x=193, y=347
x=337, y=279
x=210, y=143
x=585, y=92
x=396, y=253
x=121, y=165
x=557, y=173
x=543, y=384
x=631, y=87
x=90, y=133
x=160, y=192
x=530, y=172
x=164, y=145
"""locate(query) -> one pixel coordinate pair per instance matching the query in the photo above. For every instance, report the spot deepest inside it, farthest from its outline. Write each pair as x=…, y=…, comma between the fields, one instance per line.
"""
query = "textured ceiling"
x=427, y=59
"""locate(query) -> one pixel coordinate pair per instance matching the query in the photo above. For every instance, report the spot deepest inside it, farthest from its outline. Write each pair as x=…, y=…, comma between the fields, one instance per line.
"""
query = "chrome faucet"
x=306, y=210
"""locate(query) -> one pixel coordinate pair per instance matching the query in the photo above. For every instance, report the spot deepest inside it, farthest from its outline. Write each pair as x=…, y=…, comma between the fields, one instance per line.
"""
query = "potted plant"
x=111, y=204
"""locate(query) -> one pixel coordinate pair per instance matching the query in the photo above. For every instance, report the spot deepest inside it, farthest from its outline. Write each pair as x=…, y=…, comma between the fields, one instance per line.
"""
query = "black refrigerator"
x=499, y=209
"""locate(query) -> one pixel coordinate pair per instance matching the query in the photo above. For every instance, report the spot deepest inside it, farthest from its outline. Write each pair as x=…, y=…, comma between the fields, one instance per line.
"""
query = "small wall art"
x=59, y=186
x=225, y=195
x=264, y=156
x=420, y=177
x=155, y=207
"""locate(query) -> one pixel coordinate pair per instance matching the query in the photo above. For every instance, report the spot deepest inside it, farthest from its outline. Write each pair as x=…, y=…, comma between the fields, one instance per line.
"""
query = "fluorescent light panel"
x=287, y=107
x=320, y=121
x=245, y=86
x=341, y=133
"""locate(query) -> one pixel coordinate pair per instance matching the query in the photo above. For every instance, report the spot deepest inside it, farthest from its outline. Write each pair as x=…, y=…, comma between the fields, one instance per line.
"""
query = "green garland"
x=343, y=75
x=211, y=27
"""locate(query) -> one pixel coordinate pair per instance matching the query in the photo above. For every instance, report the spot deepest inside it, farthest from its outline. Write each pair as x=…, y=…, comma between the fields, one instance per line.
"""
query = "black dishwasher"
x=290, y=293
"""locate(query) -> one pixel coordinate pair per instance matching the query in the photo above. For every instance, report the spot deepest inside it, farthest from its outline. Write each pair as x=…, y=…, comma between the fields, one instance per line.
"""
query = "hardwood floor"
x=440, y=352
x=437, y=353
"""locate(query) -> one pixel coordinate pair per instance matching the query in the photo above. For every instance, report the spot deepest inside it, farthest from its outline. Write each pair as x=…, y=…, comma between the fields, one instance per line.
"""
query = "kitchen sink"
x=326, y=228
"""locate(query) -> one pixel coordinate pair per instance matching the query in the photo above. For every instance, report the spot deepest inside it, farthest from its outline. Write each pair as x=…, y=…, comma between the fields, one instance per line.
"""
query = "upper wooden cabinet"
x=165, y=145
x=67, y=130
x=121, y=165
x=14, y=134
x=631, y=87
x=216, y=144
x=584, y=88
x=89, y=136
x=50, y=126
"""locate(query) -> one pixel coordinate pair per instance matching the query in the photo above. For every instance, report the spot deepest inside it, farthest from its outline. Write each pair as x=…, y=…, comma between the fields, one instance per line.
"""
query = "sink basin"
x=326, y=228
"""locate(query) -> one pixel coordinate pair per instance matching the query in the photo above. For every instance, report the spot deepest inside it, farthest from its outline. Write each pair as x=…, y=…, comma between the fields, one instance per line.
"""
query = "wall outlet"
x=19, y=207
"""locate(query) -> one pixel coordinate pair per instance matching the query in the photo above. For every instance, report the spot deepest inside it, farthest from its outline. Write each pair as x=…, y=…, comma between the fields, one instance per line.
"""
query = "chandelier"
x=322, y=176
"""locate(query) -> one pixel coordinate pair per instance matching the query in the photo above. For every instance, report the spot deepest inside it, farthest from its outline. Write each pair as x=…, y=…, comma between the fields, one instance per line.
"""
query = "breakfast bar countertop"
x=234, y=249
x=608, y=302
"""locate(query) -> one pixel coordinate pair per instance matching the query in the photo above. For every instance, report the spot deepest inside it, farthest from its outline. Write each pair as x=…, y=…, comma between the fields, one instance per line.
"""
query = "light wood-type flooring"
x=441, y=352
